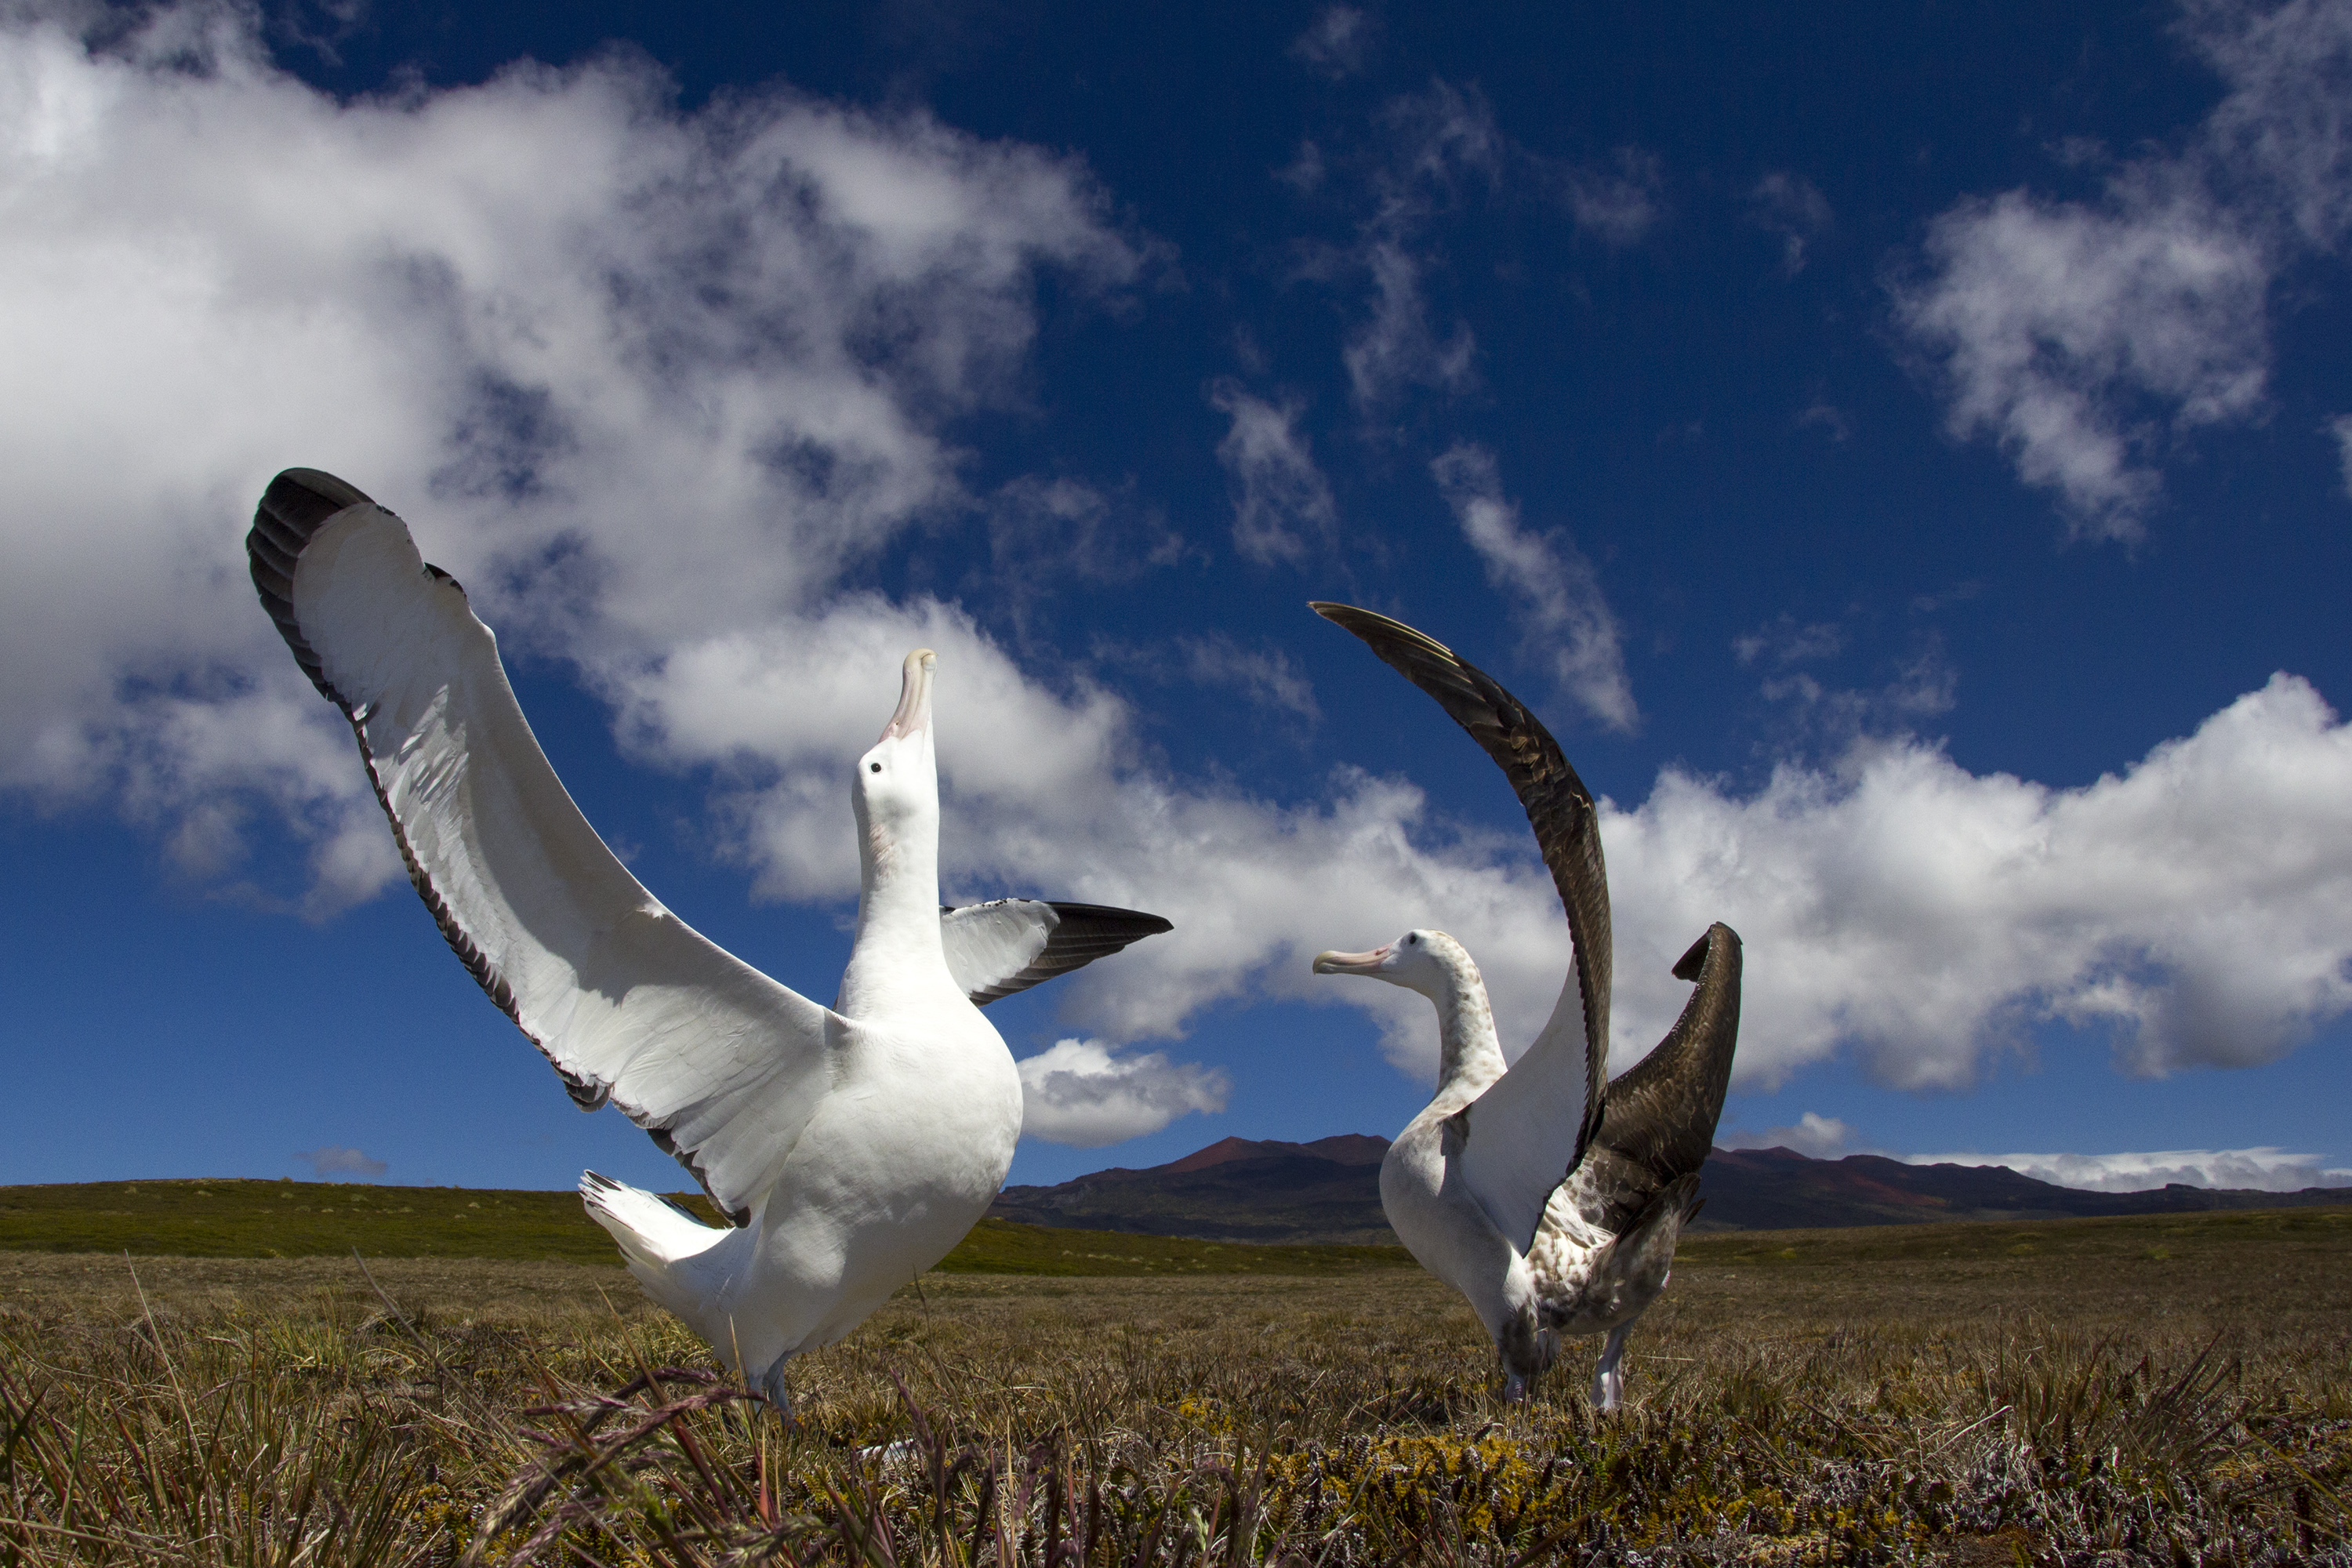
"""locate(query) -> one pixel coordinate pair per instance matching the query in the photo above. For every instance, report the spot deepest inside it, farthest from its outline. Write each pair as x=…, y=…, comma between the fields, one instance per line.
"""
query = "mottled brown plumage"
x=1540, y=1247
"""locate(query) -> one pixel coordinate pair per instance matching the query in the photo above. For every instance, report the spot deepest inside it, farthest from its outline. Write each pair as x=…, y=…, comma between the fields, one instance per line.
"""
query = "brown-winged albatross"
x=852, y=1145
x=1547, y=1195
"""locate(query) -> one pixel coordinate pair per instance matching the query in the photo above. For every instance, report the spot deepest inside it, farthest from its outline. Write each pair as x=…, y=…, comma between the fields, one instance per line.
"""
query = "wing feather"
x=1663, y=1108
x=720, y=1063
x=1538, y=1118
x=1008, y=945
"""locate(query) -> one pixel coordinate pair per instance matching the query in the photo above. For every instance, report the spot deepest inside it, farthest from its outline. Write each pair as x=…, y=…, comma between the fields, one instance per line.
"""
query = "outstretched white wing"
x=1532, y=1126
x=720, y=1063
x=1007, y=945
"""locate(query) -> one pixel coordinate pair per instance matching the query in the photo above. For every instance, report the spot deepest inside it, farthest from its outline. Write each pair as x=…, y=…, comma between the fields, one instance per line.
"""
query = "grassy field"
x=321, y=1219
x=2173, y=1389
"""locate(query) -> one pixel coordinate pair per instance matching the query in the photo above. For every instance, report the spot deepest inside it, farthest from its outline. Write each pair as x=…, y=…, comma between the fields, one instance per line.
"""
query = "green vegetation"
x=1001, y=1246
x=2083, y=1403
x=321, y=1219
x=298, y=1219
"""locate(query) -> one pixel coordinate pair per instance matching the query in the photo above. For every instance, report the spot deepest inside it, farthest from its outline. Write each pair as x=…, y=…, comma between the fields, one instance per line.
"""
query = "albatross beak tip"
x=914, y=695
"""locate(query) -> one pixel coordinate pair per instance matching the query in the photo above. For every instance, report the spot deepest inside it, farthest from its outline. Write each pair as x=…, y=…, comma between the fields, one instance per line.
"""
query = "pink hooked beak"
x=914, y=696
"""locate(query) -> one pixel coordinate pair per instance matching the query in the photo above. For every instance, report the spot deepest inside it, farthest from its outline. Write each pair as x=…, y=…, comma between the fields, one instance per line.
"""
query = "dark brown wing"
x=1662, y=1112
x=1558, y=807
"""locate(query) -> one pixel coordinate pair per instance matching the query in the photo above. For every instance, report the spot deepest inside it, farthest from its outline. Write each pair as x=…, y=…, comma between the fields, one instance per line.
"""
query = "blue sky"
x=1906, y=454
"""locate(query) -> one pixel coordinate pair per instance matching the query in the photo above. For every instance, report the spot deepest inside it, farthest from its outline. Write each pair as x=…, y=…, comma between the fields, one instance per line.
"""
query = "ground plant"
x=2172, y=1391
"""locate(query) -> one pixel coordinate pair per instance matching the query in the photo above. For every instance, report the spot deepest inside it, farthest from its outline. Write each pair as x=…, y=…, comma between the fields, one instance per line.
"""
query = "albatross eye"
x=874, y=767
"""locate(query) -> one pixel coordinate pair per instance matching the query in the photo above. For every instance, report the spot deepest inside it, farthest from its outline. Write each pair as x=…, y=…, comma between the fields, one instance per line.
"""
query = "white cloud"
x=1086, y=1094
x=2084, y=336
x=1282, y=503
x=546, y=314
x=2341, y=428
x=2199, y=906
x=1435, y=141
x=1792, y=207
x=334, y=1159
x=1821, y=1137
x=1336, y=43
x=2059, y=326
x=2259, y=1170
x=1555, y=599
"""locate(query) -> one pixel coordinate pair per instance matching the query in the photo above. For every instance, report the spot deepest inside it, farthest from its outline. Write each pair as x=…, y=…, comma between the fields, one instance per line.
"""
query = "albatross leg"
x=1607, y=1377
x=1525, y=1348
x=774, y=1391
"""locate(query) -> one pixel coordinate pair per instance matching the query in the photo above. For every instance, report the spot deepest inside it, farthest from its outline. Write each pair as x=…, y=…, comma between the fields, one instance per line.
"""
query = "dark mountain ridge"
x=1328, y=1191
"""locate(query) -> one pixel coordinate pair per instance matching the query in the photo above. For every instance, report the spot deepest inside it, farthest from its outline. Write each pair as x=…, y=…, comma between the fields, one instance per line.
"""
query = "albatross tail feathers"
x=652, y=1232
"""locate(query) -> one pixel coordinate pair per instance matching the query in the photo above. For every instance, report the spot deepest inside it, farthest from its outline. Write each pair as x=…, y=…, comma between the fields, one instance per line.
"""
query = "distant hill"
x=1328, y=1191
x=1779, y=1189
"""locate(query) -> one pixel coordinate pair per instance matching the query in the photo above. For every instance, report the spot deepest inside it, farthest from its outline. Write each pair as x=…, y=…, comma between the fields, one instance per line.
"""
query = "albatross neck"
x=1469, y=1057
x=896, y=960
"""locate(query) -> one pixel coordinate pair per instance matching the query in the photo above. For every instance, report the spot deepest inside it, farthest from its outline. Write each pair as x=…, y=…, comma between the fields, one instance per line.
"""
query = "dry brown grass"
x=1995, y=1405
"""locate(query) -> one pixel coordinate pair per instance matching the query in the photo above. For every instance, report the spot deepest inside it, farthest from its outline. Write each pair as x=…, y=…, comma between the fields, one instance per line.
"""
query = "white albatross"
x=851, y=1146
x=1549, y=1196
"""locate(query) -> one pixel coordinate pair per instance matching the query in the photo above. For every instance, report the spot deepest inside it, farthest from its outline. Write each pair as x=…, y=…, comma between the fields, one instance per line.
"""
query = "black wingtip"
x=1690, y=965
x=1136, y=920
x=1687, y=966
x=298, y=503
x=307, y=489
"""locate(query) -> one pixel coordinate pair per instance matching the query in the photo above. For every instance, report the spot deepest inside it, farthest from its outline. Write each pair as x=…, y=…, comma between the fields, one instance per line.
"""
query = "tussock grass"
x=2085, y=1403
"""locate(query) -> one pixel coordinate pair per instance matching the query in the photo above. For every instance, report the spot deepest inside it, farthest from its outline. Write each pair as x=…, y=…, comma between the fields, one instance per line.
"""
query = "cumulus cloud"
x=1792, y=207
x=2263, y=1169
x=1282, y=503
x=2341, y=428
x=2084, y=336
x=1086, y=1094
x=1339, y=43
x=332, y=1160
x=550, y=306
x=1555, y=599
x=2196, y=906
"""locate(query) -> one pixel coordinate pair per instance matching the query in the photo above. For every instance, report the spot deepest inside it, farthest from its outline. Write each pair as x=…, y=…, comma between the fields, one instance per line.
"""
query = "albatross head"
x=1429, y=962
x=898, y=783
